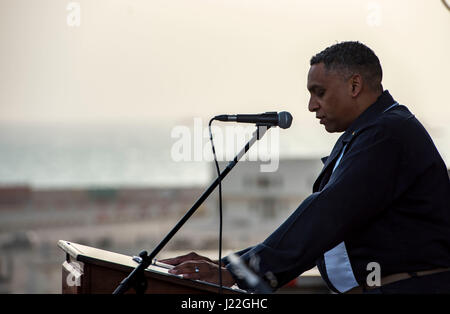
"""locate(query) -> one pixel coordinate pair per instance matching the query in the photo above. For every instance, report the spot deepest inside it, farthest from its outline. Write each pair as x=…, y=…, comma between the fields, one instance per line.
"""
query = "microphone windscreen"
x=284, y=119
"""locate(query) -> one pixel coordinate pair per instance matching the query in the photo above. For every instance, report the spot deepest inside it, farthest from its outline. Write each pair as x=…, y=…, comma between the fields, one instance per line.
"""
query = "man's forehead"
x=320, y=76
x=317, y=76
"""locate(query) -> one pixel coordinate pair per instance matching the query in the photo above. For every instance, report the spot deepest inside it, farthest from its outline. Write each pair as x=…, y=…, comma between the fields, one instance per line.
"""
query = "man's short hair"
x=351, y=57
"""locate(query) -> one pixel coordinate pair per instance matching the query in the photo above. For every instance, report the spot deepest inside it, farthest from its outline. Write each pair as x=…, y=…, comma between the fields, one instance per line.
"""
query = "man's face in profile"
x=331, y=98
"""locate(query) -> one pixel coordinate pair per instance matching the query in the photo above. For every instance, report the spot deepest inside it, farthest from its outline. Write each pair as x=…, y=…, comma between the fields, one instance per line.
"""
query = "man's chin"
x=331, y=129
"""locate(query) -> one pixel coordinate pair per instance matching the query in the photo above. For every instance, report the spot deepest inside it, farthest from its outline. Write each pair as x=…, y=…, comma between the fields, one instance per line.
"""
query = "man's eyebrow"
x=313, y=87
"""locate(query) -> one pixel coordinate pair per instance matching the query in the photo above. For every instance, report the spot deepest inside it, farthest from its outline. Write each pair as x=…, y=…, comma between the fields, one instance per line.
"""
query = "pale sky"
x=170, y=60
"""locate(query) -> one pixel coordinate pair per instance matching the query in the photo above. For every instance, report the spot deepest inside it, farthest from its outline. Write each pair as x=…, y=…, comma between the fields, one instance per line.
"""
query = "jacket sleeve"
x=359, y=189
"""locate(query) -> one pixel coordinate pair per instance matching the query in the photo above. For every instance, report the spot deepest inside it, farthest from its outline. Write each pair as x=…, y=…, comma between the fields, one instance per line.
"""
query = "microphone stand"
x=136, y=278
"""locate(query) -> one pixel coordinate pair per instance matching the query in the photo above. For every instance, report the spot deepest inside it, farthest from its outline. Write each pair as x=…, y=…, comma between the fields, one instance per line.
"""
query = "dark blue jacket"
x=388, y=199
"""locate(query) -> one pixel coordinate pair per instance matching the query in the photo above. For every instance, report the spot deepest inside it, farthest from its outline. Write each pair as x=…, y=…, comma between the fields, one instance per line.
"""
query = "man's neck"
x=367, y=100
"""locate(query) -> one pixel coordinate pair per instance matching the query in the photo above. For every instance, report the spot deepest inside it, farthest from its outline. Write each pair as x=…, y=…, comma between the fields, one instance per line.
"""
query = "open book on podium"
x=88, y=270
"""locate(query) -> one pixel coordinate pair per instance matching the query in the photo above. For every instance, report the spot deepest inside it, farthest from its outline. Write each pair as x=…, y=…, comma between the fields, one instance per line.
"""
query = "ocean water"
x=136, y=155
x=55, y=156
x=92, y=156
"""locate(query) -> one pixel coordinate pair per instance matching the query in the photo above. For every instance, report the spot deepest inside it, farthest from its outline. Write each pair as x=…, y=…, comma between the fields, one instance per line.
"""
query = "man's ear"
x=355, y=85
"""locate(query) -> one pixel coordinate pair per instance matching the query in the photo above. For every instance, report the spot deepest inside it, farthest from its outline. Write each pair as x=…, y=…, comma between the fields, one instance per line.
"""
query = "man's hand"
x=183, y=258
x=197, y=267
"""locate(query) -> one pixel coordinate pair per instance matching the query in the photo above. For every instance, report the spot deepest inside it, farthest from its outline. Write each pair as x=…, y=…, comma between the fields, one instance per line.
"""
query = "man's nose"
x=312, y=105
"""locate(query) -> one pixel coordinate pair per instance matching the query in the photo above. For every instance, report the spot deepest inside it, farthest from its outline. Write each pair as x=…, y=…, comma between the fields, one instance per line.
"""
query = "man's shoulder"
x=394, y=115
x=397, y=126
x=397, y=122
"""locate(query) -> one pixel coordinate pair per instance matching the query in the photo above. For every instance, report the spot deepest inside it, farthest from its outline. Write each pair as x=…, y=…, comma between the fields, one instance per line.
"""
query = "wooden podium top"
x=121, y=265
x=88, y=254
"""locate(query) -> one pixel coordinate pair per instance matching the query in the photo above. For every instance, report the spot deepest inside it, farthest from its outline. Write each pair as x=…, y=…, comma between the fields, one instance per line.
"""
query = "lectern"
x=88, y=270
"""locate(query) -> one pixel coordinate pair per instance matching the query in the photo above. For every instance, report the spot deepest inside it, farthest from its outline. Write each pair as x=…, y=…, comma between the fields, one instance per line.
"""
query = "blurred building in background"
x=31, y=220
x=261, y=200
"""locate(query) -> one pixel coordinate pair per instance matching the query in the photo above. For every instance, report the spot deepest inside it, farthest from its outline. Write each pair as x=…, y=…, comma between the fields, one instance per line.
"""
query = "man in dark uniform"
x=382, y=197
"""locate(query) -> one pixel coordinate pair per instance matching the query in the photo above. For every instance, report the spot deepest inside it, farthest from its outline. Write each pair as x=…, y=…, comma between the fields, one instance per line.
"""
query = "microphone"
x=282, y=119
x=244, y=273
